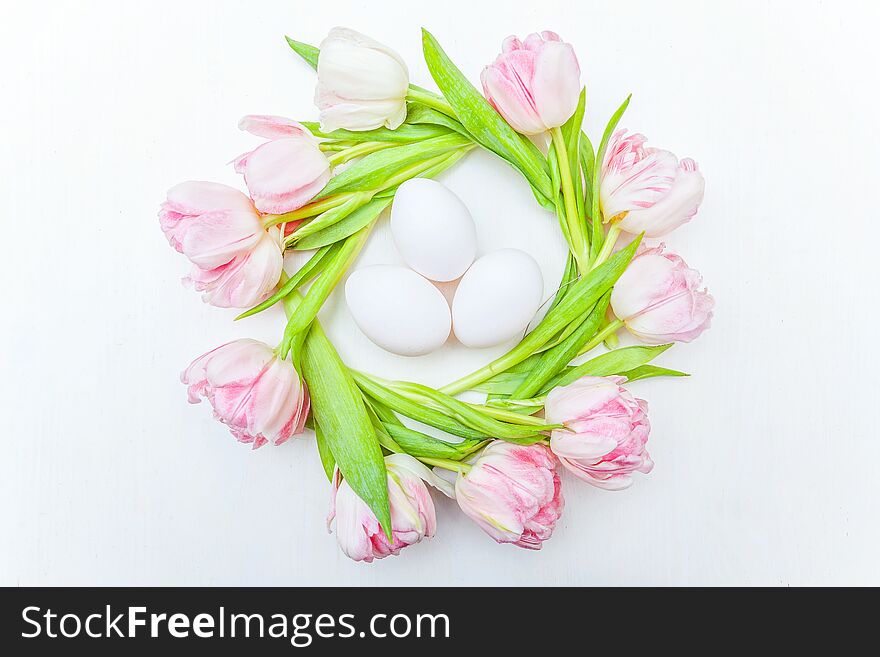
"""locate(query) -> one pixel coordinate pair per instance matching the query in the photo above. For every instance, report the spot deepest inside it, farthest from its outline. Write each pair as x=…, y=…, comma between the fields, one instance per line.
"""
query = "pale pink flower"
x=605, y=432
x=362, y=84
x=287, y=171
x=513, y=493
x=534, y=84
x=358, y=532
x=259, y=396
x=660, y=299
x=236, y=262
x=647, y=189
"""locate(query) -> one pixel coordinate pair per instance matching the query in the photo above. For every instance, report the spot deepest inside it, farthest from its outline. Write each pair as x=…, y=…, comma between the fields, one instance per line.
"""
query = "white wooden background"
x=766, y=458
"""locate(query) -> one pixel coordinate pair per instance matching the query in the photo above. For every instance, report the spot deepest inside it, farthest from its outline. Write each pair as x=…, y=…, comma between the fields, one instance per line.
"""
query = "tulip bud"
x=660, y=299
x=358, y=532
x=260, y=397
x=534, y=84
x=284, y=173
x=236, y=262
x=647, y=189
x=605, y=432
x=362, y=84
x=513, y=493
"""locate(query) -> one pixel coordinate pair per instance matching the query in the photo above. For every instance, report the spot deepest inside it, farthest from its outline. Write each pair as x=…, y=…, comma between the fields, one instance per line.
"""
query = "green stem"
x=608, y=246
x=509, y=416
x=417, y=169
x=516, y=403
x=364, y=148
x=333, y=146
x=431, y=100
x=447, y=464
x=310, y=210
x=328, y=218
x=321, y=288
x=578, y=242
x=497, y=366
x=609, y=329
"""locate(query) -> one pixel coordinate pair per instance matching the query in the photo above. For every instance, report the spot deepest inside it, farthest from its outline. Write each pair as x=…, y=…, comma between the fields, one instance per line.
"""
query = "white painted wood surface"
x=766, y=458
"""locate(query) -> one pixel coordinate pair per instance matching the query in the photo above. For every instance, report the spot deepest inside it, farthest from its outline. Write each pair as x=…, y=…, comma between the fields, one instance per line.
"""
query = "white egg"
x=398, y=309
x=497, y=298
x=433, y=230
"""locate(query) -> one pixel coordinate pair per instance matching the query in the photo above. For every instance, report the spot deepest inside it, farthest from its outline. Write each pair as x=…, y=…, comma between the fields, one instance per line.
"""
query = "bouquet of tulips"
x=320, y=187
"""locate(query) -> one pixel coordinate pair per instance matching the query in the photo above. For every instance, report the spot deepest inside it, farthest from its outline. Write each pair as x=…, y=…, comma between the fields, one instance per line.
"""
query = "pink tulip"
x=236, y=261
x=660, y=299
x=513, y=493
x=647, y=189
x=358, y=531
x=260, y=397
x=605, y=432
x=284, y=173
x=534, y=84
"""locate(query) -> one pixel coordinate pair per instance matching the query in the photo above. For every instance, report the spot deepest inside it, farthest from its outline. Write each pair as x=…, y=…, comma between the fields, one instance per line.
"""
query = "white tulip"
x=362, y=84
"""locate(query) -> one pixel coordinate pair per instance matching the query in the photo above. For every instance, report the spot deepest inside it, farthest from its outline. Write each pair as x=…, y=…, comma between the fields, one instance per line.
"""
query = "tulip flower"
x=261, y=398
x=358, y=532
x=534, y=84
x=362, y=84
x=236, y=262
x=647, y=189
x=660, y=299
x=513, y=493
x=606, y=428
x=284, y=173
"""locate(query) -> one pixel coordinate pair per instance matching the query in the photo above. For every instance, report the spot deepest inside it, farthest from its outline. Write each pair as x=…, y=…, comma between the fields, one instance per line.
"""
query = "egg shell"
x=433, y=230
x=398, y=310
x=497, y=298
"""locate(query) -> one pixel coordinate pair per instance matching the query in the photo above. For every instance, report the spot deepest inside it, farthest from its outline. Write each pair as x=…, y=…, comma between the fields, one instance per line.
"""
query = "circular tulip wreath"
x=322, y=186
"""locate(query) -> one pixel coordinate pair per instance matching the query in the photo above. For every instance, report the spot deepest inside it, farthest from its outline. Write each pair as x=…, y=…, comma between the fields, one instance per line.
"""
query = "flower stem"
x=431, y=100
x=607, y=246
x=364, y=148
x=510, y=416
x=306, y=211
x=578, y=241
x=417, y=169
x=610, y=329
x=447, y=464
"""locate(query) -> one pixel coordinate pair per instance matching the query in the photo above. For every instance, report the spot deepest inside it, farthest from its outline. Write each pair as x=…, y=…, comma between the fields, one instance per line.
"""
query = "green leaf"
x=583, y=294
x=588, y=164
x=568, y=277
x=339, y=262
x=349, y=225
x=411, y=409
x=406, y=132
x=345, y=424
x=554, y=360
x=470, y=416
x=481, y=119
x=310, y=269
x=415, y=443
x=327, y=460
x=330, y=217
x=370, y=172
x=648, y=371
x=304, y=50
x=596, y=213
x=502, y=384
x=571, y=133
x=422, y=116
x=613, y=362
